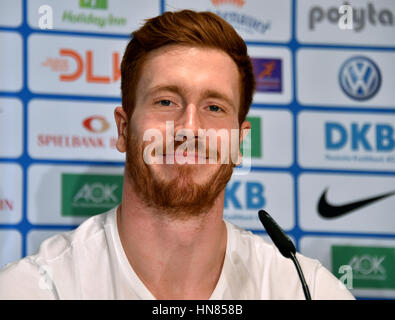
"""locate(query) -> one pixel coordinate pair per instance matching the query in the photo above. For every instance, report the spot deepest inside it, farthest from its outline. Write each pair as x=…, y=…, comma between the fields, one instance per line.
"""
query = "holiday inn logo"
x=93, y=12
x=90, y=194
x=93, y=4
x=372, y=267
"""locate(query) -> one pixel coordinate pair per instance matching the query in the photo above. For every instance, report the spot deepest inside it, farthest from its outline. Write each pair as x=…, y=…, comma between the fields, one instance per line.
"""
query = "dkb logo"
x=254, y=197
x=360, y=136
x=360, y=78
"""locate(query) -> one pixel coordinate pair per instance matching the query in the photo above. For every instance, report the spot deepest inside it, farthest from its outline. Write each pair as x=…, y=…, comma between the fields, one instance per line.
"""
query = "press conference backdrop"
x=323, y=124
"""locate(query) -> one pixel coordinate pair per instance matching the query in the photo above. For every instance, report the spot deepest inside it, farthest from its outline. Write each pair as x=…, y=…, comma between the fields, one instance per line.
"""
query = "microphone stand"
x=301, y=276
x=284, y=245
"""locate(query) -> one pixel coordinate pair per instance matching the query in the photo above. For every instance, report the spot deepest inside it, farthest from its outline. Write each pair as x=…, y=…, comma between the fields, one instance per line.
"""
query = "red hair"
x=189, y=28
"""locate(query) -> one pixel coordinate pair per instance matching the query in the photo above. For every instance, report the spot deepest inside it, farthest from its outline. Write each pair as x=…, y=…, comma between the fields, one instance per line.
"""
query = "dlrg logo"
x=360, y=136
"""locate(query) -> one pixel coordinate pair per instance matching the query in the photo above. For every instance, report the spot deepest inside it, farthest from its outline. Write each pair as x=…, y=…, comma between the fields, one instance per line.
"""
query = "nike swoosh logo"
x=329, y=211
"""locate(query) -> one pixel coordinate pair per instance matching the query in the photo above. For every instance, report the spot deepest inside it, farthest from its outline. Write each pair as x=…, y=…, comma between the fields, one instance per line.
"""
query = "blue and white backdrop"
x=323, y=124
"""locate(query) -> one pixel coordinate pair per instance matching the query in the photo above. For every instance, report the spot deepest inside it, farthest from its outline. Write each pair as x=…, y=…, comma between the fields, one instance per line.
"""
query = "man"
x=189, y=72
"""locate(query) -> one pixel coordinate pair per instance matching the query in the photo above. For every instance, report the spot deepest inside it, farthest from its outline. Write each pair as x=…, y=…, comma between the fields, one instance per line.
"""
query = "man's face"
x=191, y=89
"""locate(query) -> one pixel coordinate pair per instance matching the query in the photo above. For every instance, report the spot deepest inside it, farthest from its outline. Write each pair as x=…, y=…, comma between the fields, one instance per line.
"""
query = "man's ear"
x=244, y=130
x=121, y=120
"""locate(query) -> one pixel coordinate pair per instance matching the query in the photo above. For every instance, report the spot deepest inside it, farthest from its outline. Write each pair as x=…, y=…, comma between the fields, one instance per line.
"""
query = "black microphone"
x=284, y=245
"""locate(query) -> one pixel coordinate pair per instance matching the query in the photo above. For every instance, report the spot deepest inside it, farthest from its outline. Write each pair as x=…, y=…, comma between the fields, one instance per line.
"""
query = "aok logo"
x=89, y=194
x=360, y=136
x=252, y=199
x=84, y=67
x=371, y=266
x=368, y=267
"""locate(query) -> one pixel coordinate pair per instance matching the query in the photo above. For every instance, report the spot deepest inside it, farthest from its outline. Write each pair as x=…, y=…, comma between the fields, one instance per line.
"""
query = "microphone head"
x=278, y=236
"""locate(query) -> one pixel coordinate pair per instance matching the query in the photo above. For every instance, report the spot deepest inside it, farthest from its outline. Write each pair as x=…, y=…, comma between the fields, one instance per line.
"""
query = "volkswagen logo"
x=359, y=78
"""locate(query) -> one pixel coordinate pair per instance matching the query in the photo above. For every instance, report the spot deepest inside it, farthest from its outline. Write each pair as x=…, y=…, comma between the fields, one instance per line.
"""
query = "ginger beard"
x=179, y=197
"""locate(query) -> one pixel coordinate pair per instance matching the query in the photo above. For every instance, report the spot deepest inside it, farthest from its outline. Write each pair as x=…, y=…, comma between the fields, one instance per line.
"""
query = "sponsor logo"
x=349, y=202
x=253, y=139
x=254, y=196
x=347, y=140
x=240, y=21
x=356, y=137
x=268, y=74
x=245, y=195
x=90, y=194
x=239, y=3
x=372, y=267
x=329, y=211
x=362, y=17
x=94, y=124
x=359, y=78
x=84, y=67
x=93, y=4
x=92, y=18
x=6, y=205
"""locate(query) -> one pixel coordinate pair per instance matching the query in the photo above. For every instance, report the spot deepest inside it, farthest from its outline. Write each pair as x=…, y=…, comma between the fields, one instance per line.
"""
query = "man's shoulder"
x=34, y=277
x=60, y=244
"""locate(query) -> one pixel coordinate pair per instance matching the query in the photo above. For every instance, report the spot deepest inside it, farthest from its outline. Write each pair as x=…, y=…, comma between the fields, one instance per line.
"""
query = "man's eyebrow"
x=170, y=88
x=209, y=93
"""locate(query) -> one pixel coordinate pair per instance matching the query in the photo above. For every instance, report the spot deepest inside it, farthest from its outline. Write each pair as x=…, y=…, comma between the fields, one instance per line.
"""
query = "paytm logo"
x=360, y=136
x=363, y=17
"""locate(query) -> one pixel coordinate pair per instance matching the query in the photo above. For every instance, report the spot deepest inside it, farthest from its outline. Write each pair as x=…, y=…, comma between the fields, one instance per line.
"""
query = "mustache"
x=197, y=146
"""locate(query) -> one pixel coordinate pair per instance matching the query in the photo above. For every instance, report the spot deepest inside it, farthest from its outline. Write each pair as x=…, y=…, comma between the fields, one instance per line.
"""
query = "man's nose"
x=190, y=119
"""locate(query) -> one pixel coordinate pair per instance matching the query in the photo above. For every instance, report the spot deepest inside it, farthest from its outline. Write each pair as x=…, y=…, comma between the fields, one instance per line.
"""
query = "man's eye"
x=214, y=108
x=165, y=103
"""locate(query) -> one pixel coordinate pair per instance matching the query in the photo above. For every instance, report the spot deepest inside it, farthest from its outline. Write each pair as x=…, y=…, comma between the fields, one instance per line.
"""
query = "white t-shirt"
x=89, y=263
